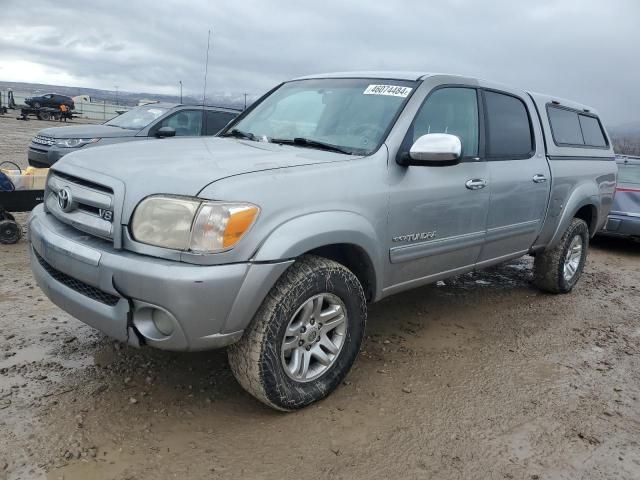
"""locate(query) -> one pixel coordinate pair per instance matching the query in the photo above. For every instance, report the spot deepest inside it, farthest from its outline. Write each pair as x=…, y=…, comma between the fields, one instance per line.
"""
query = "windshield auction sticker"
x=391, y=90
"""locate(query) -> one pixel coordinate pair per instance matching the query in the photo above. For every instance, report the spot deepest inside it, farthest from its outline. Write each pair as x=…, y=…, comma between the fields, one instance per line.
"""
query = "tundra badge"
x=414, y=237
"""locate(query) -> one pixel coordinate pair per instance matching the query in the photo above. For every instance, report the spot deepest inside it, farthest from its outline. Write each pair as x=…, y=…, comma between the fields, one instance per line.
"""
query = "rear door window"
x=215, y=121
x=509, y=133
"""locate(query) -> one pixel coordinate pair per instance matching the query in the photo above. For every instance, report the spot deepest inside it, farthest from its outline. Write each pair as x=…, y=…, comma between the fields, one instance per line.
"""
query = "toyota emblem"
x=64, y=199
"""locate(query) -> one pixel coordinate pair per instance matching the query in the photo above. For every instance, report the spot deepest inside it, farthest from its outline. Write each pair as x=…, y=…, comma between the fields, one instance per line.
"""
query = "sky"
x=584, y=50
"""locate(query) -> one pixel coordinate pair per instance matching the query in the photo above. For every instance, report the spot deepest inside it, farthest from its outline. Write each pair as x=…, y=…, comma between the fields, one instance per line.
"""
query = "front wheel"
x=305, y=336
x=557, y=270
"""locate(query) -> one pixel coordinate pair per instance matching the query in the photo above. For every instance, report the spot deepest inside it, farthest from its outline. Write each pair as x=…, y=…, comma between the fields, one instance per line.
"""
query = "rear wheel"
x=45, y=116
x=305, y=336
x=557, y=270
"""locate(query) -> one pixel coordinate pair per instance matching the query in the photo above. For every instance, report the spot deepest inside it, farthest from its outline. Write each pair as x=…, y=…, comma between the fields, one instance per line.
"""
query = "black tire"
x=45, y=116
x=36, y=105
x=256, y=360
x=549, y=265
x=10, y=232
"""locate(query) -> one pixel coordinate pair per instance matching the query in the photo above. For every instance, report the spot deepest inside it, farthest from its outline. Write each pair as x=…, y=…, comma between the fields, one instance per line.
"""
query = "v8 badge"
x=106, y=215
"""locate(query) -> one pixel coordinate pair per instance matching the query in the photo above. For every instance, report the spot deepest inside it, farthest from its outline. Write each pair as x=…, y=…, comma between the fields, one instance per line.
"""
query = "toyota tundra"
x=330, y=192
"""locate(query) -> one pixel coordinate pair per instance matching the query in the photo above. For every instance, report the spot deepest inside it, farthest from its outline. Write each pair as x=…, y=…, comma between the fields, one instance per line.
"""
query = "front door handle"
x=475, y=184
x=539, y=178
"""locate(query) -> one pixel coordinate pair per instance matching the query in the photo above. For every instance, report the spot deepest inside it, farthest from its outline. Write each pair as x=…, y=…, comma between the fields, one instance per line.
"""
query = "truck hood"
x=183, y=166
x=87, y=131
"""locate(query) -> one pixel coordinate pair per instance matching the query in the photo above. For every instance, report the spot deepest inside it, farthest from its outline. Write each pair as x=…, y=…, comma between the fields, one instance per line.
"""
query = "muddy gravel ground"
x=478, y=377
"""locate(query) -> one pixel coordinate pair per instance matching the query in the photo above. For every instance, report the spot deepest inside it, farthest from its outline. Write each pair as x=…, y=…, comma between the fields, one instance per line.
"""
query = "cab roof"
x=169, y=106
x=543, y=99
x=539, y=98
x=395, y=75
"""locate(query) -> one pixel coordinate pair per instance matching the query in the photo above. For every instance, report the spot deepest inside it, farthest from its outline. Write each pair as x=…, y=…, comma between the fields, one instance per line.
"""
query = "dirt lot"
x=481, y=377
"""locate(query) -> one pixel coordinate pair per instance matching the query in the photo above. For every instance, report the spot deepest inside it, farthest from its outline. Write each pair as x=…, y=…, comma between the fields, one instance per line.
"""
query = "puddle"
x=34, y=370
x=31, y=353
x=37, y=353
x=7, y=384
x=90, y=470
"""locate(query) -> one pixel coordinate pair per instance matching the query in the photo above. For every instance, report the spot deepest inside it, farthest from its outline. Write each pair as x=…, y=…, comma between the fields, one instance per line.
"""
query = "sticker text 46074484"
x=391, y=90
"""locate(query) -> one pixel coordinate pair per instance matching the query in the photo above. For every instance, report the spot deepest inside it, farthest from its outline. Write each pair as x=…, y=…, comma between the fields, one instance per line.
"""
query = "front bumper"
x=114, y=291
x=42, y=156
x=622, y=225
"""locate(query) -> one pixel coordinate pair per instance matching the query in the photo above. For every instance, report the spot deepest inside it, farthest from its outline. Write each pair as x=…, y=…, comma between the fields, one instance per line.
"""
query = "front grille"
x=84, y=183
x=44, y=140
x=37, y=164
x=39, y=148
x=87, y=206
x=77, y=285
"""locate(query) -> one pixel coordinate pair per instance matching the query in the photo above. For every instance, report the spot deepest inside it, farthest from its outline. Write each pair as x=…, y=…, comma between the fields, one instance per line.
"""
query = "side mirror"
x=435, y=149
x=165, y=132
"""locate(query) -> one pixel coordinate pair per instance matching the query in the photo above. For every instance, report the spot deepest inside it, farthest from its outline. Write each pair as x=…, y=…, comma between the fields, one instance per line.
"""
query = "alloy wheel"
x=314, y=337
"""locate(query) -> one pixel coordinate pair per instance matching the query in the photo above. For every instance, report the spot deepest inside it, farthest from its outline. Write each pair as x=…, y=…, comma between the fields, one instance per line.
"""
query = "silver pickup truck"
x=330, y=192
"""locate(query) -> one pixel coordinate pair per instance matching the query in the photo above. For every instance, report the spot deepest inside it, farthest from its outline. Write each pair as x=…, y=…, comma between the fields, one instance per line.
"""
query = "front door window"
x=186, y=123
x=450, y=110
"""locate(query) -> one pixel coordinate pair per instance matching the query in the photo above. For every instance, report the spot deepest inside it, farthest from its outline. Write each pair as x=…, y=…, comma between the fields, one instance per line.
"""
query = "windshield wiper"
x=307, y=142
x=239, y=134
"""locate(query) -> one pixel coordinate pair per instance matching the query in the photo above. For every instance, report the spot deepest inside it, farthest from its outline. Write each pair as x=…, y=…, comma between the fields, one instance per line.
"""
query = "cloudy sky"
x=586, y=50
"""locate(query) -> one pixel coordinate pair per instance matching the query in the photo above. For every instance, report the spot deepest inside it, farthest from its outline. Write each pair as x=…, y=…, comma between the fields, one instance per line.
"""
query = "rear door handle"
x=475, y=184
x=539, y=178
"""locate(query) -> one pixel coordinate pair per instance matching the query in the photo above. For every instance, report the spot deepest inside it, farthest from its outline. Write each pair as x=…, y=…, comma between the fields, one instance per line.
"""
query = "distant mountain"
x=626, y=138
x=126, y=98
x=627, y=129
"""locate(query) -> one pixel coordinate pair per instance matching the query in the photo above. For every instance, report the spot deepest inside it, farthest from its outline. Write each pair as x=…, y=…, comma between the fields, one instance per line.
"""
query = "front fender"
x=308, y=232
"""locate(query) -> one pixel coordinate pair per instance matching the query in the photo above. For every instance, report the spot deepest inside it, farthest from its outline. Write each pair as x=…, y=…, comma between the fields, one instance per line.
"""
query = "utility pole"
x=180, y=90
x=116, y=94
x=245, y=101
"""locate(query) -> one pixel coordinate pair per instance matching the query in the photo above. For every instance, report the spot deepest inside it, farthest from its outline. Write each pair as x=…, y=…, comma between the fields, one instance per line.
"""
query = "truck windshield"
x=629, y=173
x=138, y=118
x=343, y=115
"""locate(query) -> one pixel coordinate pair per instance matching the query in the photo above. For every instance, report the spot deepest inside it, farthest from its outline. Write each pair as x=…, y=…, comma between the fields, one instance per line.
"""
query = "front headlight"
x=75, y=142
x=191, y=224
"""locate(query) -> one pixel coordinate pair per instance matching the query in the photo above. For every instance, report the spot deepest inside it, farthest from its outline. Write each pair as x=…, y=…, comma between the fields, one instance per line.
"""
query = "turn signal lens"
x=239, y=222
x=220, y=225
